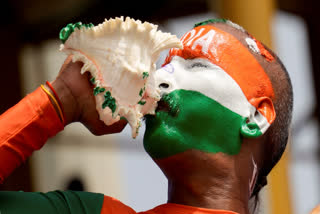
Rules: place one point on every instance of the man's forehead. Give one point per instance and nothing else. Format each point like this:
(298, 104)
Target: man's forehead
(226, 51)
(204, 37)
(220, 34)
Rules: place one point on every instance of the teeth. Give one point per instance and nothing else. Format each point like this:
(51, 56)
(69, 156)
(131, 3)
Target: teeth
(120, 55)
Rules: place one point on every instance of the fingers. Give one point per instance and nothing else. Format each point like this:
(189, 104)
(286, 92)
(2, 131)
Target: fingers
(82, 91)
(114, 128)
(119, 126)
(69, 66)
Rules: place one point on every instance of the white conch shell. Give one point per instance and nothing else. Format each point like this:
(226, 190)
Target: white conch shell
(121, 57)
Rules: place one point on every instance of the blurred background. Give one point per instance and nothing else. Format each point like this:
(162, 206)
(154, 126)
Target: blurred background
(117, 165)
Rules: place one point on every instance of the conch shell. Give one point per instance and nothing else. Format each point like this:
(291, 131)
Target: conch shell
(120, 55)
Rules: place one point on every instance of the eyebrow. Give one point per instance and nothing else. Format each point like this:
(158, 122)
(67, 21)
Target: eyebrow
(199, 64)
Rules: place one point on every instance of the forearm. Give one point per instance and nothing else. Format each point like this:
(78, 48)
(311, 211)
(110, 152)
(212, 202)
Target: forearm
(25, 128)
(63, 202)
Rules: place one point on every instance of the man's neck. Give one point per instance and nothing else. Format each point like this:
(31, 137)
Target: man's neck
(214, 181)
(217, 195)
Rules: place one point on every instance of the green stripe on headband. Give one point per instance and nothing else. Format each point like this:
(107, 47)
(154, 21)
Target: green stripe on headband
(210, 21)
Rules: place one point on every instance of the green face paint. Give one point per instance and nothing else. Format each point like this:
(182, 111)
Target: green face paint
(194, 121)
(250, 130)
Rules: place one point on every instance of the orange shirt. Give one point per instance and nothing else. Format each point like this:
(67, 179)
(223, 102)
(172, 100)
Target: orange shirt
(113, 206)
(25, 128)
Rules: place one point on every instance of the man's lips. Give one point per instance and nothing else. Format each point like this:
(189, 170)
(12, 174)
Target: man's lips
(163, 106)
(168, 104)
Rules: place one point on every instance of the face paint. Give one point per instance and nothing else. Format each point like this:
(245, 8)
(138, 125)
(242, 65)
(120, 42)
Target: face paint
(200, 123)
(201, 113)
(225, 51)
(235, 25)
(209, 79)
(213, 21)
(169, 68)
(252, 45)
(211, 83)
(264, 52)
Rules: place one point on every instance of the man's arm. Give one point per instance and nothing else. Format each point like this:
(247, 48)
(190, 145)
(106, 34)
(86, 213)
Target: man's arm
(27, 126)
(60, 202)
(56, 202)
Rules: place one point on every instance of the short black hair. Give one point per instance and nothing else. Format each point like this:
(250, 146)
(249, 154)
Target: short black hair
(278, 134)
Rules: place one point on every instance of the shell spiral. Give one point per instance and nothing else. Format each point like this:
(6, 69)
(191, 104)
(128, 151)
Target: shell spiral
(120, 55)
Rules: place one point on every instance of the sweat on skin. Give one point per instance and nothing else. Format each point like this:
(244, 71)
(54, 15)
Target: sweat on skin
(216, 86)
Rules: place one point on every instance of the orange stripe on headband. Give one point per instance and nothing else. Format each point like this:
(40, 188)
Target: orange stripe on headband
(224, 50)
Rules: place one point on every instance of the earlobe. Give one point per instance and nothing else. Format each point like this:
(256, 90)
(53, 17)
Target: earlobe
(265, 106)
(260, 119)
(250, 129)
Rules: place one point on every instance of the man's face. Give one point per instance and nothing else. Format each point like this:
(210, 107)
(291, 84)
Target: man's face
(206, 90)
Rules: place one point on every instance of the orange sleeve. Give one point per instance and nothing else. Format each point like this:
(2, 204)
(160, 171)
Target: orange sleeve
(114, 206)
(24, 128)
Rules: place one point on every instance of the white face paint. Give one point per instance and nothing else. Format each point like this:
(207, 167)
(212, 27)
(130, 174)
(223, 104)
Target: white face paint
(205, 41)
(192, 36)
(202, 76)
(252, 45)
(211, 80)
(236, 26)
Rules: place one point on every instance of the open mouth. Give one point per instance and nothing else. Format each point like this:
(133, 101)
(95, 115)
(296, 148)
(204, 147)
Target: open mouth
(168, 104)
(163, 106)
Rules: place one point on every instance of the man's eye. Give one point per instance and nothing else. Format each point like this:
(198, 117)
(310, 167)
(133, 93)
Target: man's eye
(198, 64)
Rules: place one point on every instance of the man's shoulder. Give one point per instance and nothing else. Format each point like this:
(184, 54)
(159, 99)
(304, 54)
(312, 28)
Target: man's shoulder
(114, 206)
(51, 202)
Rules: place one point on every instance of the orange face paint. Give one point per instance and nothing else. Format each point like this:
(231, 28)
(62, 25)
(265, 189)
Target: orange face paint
(264, 52)
(224, 50)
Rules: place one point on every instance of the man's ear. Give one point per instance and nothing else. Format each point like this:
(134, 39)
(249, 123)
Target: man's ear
(260, 119)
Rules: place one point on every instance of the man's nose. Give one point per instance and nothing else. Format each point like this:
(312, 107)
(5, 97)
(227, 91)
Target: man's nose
(165, 79)
(164, 85)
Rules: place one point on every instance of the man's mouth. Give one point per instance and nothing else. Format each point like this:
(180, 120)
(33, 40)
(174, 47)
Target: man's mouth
(163, 106)
(168, 104)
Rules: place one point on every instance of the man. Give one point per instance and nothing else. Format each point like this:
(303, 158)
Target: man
(220, 127)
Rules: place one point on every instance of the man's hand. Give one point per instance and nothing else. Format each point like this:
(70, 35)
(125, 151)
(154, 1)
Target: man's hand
(76, 95)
